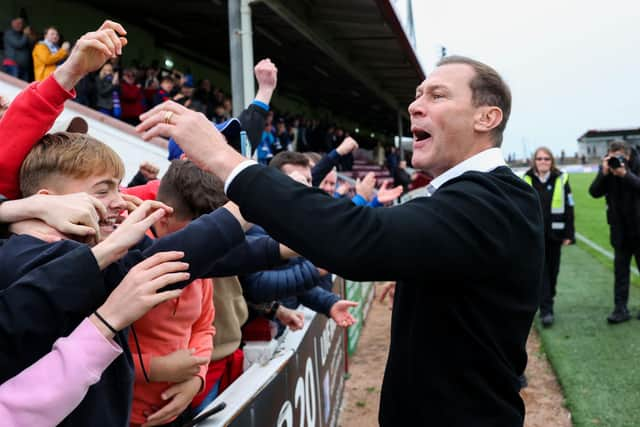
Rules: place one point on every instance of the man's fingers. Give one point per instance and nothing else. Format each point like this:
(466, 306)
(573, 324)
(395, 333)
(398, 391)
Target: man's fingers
(158, 258)
(174, 107)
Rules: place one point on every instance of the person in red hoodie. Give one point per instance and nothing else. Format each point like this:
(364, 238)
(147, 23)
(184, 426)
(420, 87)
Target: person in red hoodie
(131, 97)
(175, 339)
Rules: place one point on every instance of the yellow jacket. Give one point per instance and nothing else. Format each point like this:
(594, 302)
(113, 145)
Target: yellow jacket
(45, 62)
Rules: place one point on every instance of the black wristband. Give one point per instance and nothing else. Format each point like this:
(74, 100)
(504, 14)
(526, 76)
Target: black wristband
(111, 328)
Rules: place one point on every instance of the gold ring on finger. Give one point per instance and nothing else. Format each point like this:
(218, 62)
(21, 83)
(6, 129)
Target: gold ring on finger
(167, 117)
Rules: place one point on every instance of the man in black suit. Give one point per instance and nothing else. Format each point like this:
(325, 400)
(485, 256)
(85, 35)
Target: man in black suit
(468, 259)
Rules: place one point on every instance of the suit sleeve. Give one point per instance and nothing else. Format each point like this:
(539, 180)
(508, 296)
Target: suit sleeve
(407, 242)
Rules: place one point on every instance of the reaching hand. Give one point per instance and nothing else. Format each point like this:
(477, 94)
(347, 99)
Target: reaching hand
(201, 141)
(366, 186)
(343, 188)
(347, 146)
(294, 320)
(177, 366)
(90, 52)
(179, 396)
(340, 313)
(138, 293)
(386, 195)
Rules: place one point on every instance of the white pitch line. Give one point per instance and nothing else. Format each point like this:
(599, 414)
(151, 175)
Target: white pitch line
(601, 250)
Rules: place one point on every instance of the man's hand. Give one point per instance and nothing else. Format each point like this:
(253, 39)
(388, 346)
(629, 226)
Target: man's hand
(292, 319)
(149, 170)
(130, 232)
(267, 77)
(347, 146)
(90, 52)
(340, 313)
(200, 140)
(366, 186)
(179, 397)
(567, 242)
(386, 195)
(177, 366)
(138, 293)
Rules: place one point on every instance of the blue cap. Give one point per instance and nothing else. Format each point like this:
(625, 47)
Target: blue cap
(230, 129)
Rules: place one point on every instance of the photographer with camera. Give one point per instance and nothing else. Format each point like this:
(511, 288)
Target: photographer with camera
(619, 181)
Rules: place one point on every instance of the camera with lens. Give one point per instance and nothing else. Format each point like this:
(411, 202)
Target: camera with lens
(616, 162)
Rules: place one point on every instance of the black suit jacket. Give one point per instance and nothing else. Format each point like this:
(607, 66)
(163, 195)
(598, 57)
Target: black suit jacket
(468, 262)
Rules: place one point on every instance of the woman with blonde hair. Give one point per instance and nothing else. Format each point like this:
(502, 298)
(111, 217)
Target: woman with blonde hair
(554, 191)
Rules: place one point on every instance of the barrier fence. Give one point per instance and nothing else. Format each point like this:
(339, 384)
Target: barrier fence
(303, 383)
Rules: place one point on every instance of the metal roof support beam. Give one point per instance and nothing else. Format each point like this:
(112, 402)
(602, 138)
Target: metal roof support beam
(321, 40)
(241, 54)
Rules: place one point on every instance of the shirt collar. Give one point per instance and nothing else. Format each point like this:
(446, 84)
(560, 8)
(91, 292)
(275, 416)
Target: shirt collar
(484, 161)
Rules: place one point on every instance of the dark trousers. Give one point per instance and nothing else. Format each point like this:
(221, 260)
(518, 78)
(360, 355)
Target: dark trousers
(621, 264)
(552, 252)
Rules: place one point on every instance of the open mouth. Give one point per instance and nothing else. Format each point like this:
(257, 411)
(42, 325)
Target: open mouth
(108, 224)
(420, 135)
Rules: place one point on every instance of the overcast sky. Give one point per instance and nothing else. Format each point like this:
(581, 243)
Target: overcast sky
(572, 65)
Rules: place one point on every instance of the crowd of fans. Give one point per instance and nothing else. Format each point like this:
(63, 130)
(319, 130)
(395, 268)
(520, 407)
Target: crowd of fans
(143, 292)
(125, 92)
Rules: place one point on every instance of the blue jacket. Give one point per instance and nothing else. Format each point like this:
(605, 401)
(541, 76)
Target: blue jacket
(297, 282)
(68, 287)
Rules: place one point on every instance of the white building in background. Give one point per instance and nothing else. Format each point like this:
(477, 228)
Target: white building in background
(594, 143)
